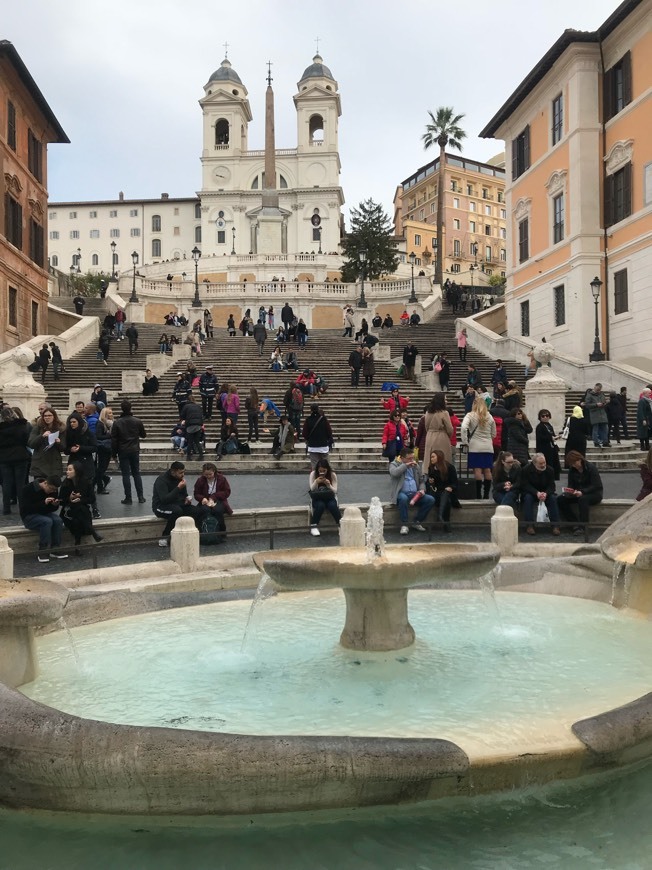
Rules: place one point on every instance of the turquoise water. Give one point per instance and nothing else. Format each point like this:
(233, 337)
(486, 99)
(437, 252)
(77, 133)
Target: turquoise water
(597, 825)
(480, 676)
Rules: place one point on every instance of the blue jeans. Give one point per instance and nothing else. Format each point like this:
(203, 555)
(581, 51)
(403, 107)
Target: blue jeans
(319, 505)
(507, 498)
(49, 528)
(531, 503)
(119, 327)
(130, 464)
(424, 506)
(600, 433)
(302, 338)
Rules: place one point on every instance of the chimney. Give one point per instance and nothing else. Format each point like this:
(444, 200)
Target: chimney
(165, 196)
(121, 196)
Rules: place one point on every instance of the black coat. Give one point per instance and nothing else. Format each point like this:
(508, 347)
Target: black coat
(13, 441)
(515, 438)
(545, 444)
(576, 436)
(587, 481)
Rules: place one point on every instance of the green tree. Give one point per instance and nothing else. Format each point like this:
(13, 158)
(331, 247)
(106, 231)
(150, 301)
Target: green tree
(444, 131)
(497, 282)
(88, 284)
(371, 231)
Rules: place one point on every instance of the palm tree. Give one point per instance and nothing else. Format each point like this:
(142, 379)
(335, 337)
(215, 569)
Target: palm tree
(445, 132)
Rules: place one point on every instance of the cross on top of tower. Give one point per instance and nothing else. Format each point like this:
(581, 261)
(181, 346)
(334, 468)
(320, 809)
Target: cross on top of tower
(317, 43)
(269, 73)
(226, 49)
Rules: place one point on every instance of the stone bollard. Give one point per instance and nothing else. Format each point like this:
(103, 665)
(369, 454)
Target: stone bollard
(504, 530)
(184, 544)
(352, 528)
(6, 560)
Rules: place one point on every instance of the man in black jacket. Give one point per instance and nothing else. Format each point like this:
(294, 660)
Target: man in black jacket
(38, 505)
(126, 434)
(208, 390)
(132, 337)
(409, 360)
(181, 391)
(538, 485)
(355, 364)
(170, 500)
(287, 316)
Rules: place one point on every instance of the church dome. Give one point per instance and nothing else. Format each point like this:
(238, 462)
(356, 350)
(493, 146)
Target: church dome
(225, 73)
(317, 69)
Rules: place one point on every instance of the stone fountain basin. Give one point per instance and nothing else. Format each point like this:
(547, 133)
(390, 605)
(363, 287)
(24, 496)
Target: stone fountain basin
(31, 602)
(399, 568)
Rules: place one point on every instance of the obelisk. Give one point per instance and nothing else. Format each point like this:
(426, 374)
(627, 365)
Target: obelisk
(270, 218)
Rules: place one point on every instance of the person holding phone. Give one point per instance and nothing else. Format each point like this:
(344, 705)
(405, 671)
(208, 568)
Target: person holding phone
(323, 495)
(409, 489)
(39, 504)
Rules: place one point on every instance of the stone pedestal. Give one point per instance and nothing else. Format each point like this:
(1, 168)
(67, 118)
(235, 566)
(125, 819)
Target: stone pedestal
(546, 390)
(21, 390)
(504, 530)
(6, 560)
(376, 620)
(184, 545)
(352, 528)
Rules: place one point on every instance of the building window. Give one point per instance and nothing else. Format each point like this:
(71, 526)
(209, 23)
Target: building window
(74, 234)
(54, 260)
(501, 196)
(559, 299)
(456, 202)
(472, 226)
(618, 195)
(487, 210)
(435, 244)
(156, 247)
(34, 318)
(76, 260)
(52, 216)
(617, 87)
(525, 318)
(115, 234)
(471, 206)
(620, 292)
(11, 125)
(34, 156)
(113, 212)
(523, 241)
(457, 248)
(133, 212)
(485, 193)
(433, 207)
(95, 260)
(557, 118)
(134, 232)
(13, 307)
(473, 249)
(94, 234)
(73, 215)
(176, 231)
(558, 218)
(503, 214)
(417, 240)
(456, 224)
(487, 230)
(422, 214)
(221, 237)
(469, 190)
(503, 233)
(487, 253)
(13, 222)
(488, 272)
(54, 235)
(456, 268)
(92, 214)
(521, 153)
(503, 255)
(198, 235)
(156, 223)
(36, 243)
(176, 211)
(197, 211)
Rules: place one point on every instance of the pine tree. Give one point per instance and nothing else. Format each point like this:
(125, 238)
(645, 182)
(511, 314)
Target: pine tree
(371, 231)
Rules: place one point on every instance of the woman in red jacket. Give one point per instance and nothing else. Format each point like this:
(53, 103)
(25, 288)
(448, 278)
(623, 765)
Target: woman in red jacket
(395, 436)
(212, 490)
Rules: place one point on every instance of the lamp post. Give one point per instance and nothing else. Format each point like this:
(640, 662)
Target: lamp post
(597, 355)
(78, 259)
(472, 269)
(319, 236)
(362, 256)
(196, 254)
(233, 245)
(413, 295)
(133, 297)
(113, 247)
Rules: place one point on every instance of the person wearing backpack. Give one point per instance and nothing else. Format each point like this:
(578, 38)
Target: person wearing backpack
(293, 401)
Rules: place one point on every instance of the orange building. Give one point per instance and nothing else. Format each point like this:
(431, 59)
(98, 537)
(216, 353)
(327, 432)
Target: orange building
(475, 217)
(27, 125)
(579, 196)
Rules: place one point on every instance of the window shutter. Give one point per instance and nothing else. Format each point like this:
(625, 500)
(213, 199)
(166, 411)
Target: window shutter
(526, 148)
(607, 95)
(608, 200)
(514, 159)
(626, 66)
(627, 190)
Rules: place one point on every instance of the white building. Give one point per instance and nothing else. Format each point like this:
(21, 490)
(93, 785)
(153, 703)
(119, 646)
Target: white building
(228, 220)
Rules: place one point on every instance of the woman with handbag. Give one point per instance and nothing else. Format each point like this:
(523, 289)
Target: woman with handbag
(76, 497)
(323, 495)
(441, 483)
(478, 431)
(442, 369)
(395, 436)
(546, 442)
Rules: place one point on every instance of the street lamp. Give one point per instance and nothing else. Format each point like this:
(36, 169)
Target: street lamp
(362, 256)
(413, 295)
(79, 259)
(233, 246)
(472, 269)
(113, 247)
(597, 355)
(196, 254)
(133, 297)
(319, 237)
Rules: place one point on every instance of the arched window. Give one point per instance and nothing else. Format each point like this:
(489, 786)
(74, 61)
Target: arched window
(222, 132)
(156, 223)
(198, 235)
(282, 183)
(198, 211)
(316, 128)
(156, 247)
(254, 183)
(95, 260)
(54, 260)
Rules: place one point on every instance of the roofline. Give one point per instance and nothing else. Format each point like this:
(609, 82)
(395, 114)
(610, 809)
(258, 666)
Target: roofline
(158, 201)
(456, 156)
(8, 50)
(538, 72)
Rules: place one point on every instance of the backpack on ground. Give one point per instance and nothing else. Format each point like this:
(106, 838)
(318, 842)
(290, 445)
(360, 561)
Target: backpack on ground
(209, 533)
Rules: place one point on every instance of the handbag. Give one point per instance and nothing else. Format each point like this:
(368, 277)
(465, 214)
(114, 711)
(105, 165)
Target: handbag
(566, 430)
(438, 367)
(542, 513)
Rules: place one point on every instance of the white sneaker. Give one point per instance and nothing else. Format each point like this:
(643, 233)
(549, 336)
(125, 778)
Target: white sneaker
(404, 530)
(58, 555)
(163, 542)
(418, 527)
(314, 531)
(44, 558)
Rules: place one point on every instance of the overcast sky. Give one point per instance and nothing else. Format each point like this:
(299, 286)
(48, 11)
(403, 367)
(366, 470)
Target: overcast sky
(124, 78)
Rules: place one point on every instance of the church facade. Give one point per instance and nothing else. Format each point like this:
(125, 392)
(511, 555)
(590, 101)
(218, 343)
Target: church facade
(255, 207)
